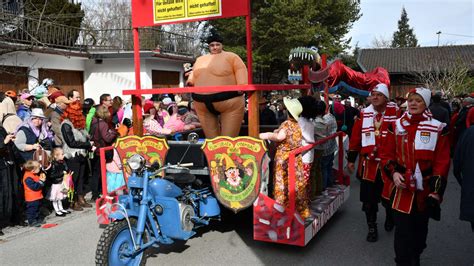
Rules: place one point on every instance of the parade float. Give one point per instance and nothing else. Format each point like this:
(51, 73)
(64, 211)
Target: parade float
(237, 169)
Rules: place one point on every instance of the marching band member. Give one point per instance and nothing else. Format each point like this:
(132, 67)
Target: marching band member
(416, 157)
(368, 135)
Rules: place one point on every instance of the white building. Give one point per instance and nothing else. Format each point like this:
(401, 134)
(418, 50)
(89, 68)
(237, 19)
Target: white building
(92, 62)
(91, 74)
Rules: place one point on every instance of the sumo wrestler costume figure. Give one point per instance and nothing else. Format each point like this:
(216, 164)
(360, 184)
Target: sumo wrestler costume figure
(221, 113)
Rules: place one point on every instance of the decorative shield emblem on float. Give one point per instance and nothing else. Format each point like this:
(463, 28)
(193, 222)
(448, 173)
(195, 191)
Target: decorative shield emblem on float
(152, 148)
(425, 137)
(235, 168)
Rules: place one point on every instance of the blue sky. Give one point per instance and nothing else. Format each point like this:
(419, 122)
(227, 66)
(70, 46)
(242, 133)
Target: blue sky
(380, 17)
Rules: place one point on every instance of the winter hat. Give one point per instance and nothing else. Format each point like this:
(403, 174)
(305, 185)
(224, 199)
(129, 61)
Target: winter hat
(155, 98)
(468, 101)
(293, 106)
(10, 93)
(167, 101)
(424, 93)
(55, 95)
(127, 122)
(182, 110)
(89, 102)
(382, 88)
(147, 107)
(47, 82)
(214, 37)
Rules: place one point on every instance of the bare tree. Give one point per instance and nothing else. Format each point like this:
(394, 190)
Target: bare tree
(25, 26)
(108, 24)
(452, 78)
(381, 42)
(192, 30)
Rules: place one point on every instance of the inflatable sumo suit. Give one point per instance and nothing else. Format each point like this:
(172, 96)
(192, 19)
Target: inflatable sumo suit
(220, 114)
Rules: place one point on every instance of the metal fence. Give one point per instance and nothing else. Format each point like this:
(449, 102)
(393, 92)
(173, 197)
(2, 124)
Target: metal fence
(19, 29)
(15, 7)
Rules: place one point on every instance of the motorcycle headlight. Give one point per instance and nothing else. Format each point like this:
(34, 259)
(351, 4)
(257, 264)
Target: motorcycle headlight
(136, 162)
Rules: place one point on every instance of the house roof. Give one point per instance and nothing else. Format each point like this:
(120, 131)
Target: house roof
(416, 59)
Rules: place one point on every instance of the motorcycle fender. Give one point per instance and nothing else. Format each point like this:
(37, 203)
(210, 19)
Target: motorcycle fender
(209, 207)
(119, 215)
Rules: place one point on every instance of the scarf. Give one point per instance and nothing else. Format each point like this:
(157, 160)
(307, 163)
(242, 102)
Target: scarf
(43, 131)
(407, 119)
(426, 136)
(368, 129)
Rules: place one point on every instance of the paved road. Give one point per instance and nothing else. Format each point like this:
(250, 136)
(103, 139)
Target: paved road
(341, 242)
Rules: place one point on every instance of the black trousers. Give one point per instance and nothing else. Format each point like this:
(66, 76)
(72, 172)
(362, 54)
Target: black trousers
(371, 192)
(77, 165)
(411, 231)
(370, 196)
(96, 178)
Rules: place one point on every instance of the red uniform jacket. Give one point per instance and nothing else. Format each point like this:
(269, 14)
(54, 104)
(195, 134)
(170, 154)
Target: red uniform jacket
(425, 144)
(369, 151)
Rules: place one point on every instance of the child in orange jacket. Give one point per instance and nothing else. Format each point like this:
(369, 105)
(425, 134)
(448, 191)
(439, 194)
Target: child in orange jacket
(33, 182)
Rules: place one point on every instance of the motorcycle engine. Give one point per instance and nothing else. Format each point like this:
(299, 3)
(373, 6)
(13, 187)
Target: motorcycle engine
(186, 212)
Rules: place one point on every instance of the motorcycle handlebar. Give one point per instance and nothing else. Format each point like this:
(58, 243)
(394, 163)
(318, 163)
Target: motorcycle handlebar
(175, 166)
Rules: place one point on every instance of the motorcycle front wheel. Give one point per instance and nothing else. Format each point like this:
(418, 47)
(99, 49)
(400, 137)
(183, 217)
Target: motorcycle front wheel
(116, 242)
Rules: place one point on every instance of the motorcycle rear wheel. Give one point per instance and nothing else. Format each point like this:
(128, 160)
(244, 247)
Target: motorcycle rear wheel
(115, 241)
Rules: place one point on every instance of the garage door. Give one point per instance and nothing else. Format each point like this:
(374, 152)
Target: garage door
(165, 79)
(67, 80)
(13, 78)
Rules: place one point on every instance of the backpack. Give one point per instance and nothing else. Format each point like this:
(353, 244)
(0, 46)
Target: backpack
(5, 116)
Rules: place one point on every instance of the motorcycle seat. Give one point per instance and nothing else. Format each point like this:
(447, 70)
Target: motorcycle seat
(183, 178)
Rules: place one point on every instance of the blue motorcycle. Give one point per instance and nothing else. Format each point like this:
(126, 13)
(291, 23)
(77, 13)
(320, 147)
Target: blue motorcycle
(158, 209)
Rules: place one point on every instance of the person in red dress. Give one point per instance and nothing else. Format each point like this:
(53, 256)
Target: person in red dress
(416, 157)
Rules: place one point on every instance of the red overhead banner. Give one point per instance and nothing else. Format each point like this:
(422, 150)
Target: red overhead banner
(158, 12)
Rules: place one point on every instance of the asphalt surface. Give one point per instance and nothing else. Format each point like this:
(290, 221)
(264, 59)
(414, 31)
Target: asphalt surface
(340, 242)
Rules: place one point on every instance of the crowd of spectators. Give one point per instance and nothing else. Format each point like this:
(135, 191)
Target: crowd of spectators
(31, 187)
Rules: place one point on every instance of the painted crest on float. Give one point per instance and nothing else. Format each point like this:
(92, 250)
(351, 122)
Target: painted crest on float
(152, 148)
(235, 167)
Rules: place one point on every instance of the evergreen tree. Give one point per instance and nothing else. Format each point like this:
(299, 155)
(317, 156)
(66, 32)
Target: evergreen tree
(350, 59)
(54, 12)
(404, 36)
(278, 26)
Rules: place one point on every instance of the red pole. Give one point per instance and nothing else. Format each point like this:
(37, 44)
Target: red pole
(253, 112)
(136, 99)
(103, 170)
(340, 171)
(248, 24)
(326, 89)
